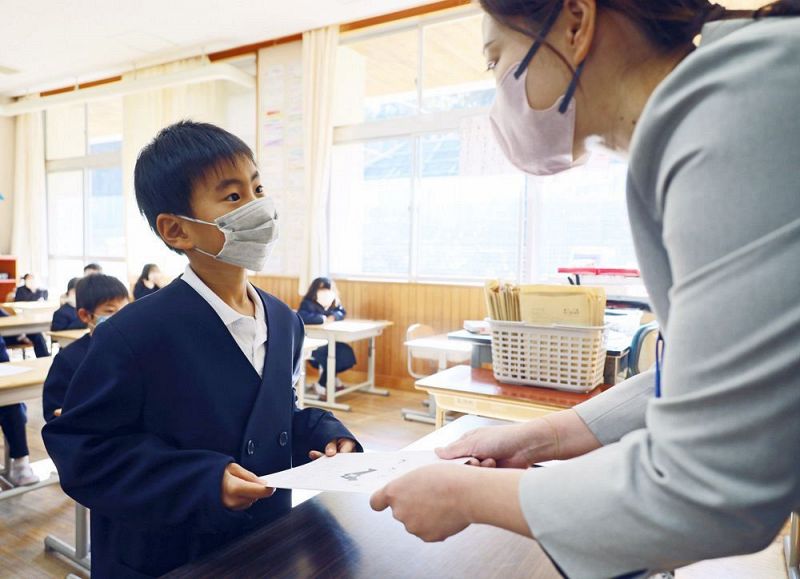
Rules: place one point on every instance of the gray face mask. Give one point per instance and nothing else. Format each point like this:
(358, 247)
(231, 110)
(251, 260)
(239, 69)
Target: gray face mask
(250, 234)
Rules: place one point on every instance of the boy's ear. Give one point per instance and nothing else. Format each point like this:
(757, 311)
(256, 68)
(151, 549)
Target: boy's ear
(85, 315)
(172, 231)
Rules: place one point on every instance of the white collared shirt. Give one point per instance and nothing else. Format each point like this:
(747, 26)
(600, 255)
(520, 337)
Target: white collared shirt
(249, 333)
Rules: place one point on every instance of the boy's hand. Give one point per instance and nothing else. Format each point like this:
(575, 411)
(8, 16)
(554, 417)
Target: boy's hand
(334, 446)
(241, 488)
(57, 412)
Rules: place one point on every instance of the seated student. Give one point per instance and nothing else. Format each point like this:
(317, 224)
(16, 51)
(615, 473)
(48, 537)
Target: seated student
(179, 404)
(12, 423)
(148, 283)
(66, 317)
(321, 304)
(28, 292)
(91, 269)
(98, 297)
(37, 341)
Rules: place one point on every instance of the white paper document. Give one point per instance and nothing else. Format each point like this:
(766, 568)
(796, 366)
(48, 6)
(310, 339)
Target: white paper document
(9, 370)
(354, 472)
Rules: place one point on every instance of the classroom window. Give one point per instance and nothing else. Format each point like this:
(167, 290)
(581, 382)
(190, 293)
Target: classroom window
(85, 205)
(419, 188)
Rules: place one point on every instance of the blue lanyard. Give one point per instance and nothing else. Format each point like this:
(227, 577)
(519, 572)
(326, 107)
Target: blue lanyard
(659, 362)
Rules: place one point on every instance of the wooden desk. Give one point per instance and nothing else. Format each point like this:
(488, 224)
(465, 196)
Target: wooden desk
(347, 331)
(338, 535)
(20, 307)
(28, 322)
(66, 337)
(475, 391)
(13, 390)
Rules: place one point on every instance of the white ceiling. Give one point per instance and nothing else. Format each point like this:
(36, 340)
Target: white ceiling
(53, 44)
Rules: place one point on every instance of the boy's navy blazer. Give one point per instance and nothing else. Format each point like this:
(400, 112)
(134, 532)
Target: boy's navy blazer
(163, 402)
(66, 318)
(60, 375)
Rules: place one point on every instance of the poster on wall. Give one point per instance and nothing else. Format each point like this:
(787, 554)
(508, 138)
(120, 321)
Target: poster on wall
(280, 150)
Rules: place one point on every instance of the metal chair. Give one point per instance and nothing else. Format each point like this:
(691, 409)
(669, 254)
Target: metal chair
(643, 349)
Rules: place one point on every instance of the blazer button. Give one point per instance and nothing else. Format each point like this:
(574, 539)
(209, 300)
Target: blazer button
(283, 439)
(251, 447)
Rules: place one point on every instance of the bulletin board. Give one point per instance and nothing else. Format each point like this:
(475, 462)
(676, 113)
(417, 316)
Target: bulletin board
(280, 150)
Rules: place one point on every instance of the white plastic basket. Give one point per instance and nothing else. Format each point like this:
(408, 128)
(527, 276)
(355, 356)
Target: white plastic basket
(563, 357)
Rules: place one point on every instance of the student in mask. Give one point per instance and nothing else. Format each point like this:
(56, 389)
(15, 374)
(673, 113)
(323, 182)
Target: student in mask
(698, 459)
(29, 291)
(149, 281)
(66, 317)
(179, 405)
(97, 297)
(321, 304)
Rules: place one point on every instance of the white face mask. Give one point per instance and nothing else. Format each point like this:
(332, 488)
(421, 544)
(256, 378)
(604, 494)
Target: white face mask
(250, 234)
(71, 300)
(325, 298)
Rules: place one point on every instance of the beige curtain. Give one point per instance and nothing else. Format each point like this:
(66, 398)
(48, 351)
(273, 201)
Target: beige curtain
(29, 226)
(144, 114)
(319, 73)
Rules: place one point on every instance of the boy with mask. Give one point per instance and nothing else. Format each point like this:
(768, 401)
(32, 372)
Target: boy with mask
(186, 397)
(97, 298)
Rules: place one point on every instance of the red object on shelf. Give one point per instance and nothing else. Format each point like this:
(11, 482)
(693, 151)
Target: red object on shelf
(621, 272)
(8, 265)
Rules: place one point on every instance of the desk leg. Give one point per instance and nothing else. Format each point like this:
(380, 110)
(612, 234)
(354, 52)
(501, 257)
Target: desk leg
(791, 547)
(369, 387)
(330, 383)
(439, 417)
(79, 554)
(428, 417)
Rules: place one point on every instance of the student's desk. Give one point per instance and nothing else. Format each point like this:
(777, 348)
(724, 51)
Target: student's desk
(442, 349)
(475, 391)
(66, 337)
(28, 322)
(13, 390)
(20, 307)
(347, 331)
(338, 535)
(309, 345)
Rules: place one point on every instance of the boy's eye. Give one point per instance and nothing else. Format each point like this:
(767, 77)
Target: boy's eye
(260, 190)
(491, 65)
(233, 197)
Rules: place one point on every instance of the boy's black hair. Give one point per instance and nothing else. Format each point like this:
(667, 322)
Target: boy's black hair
(72, 283)
(175, 161)
(97, 289)
(93, 267)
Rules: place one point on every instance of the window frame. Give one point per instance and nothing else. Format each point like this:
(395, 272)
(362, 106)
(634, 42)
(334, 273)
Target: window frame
(414, 128)
(85, 164)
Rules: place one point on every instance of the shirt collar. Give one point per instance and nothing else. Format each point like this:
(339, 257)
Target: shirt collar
(226, 313)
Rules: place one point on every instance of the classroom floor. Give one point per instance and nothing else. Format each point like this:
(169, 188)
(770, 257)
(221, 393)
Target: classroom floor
(376, 421)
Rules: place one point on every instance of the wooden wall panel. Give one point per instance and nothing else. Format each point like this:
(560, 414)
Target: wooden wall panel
(444, 307)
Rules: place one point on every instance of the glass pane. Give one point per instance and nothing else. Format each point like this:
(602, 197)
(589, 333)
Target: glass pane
(469, 224)
(454, 72)
(117, 269)
(65, 213)
(105, 213)
(581, 218)
(61, 271)
(66, 132)
(105, 125)
(370, 208)
(376, 78)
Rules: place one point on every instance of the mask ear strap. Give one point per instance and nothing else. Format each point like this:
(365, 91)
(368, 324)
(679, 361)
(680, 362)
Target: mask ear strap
(537, 44)
(573, 86)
